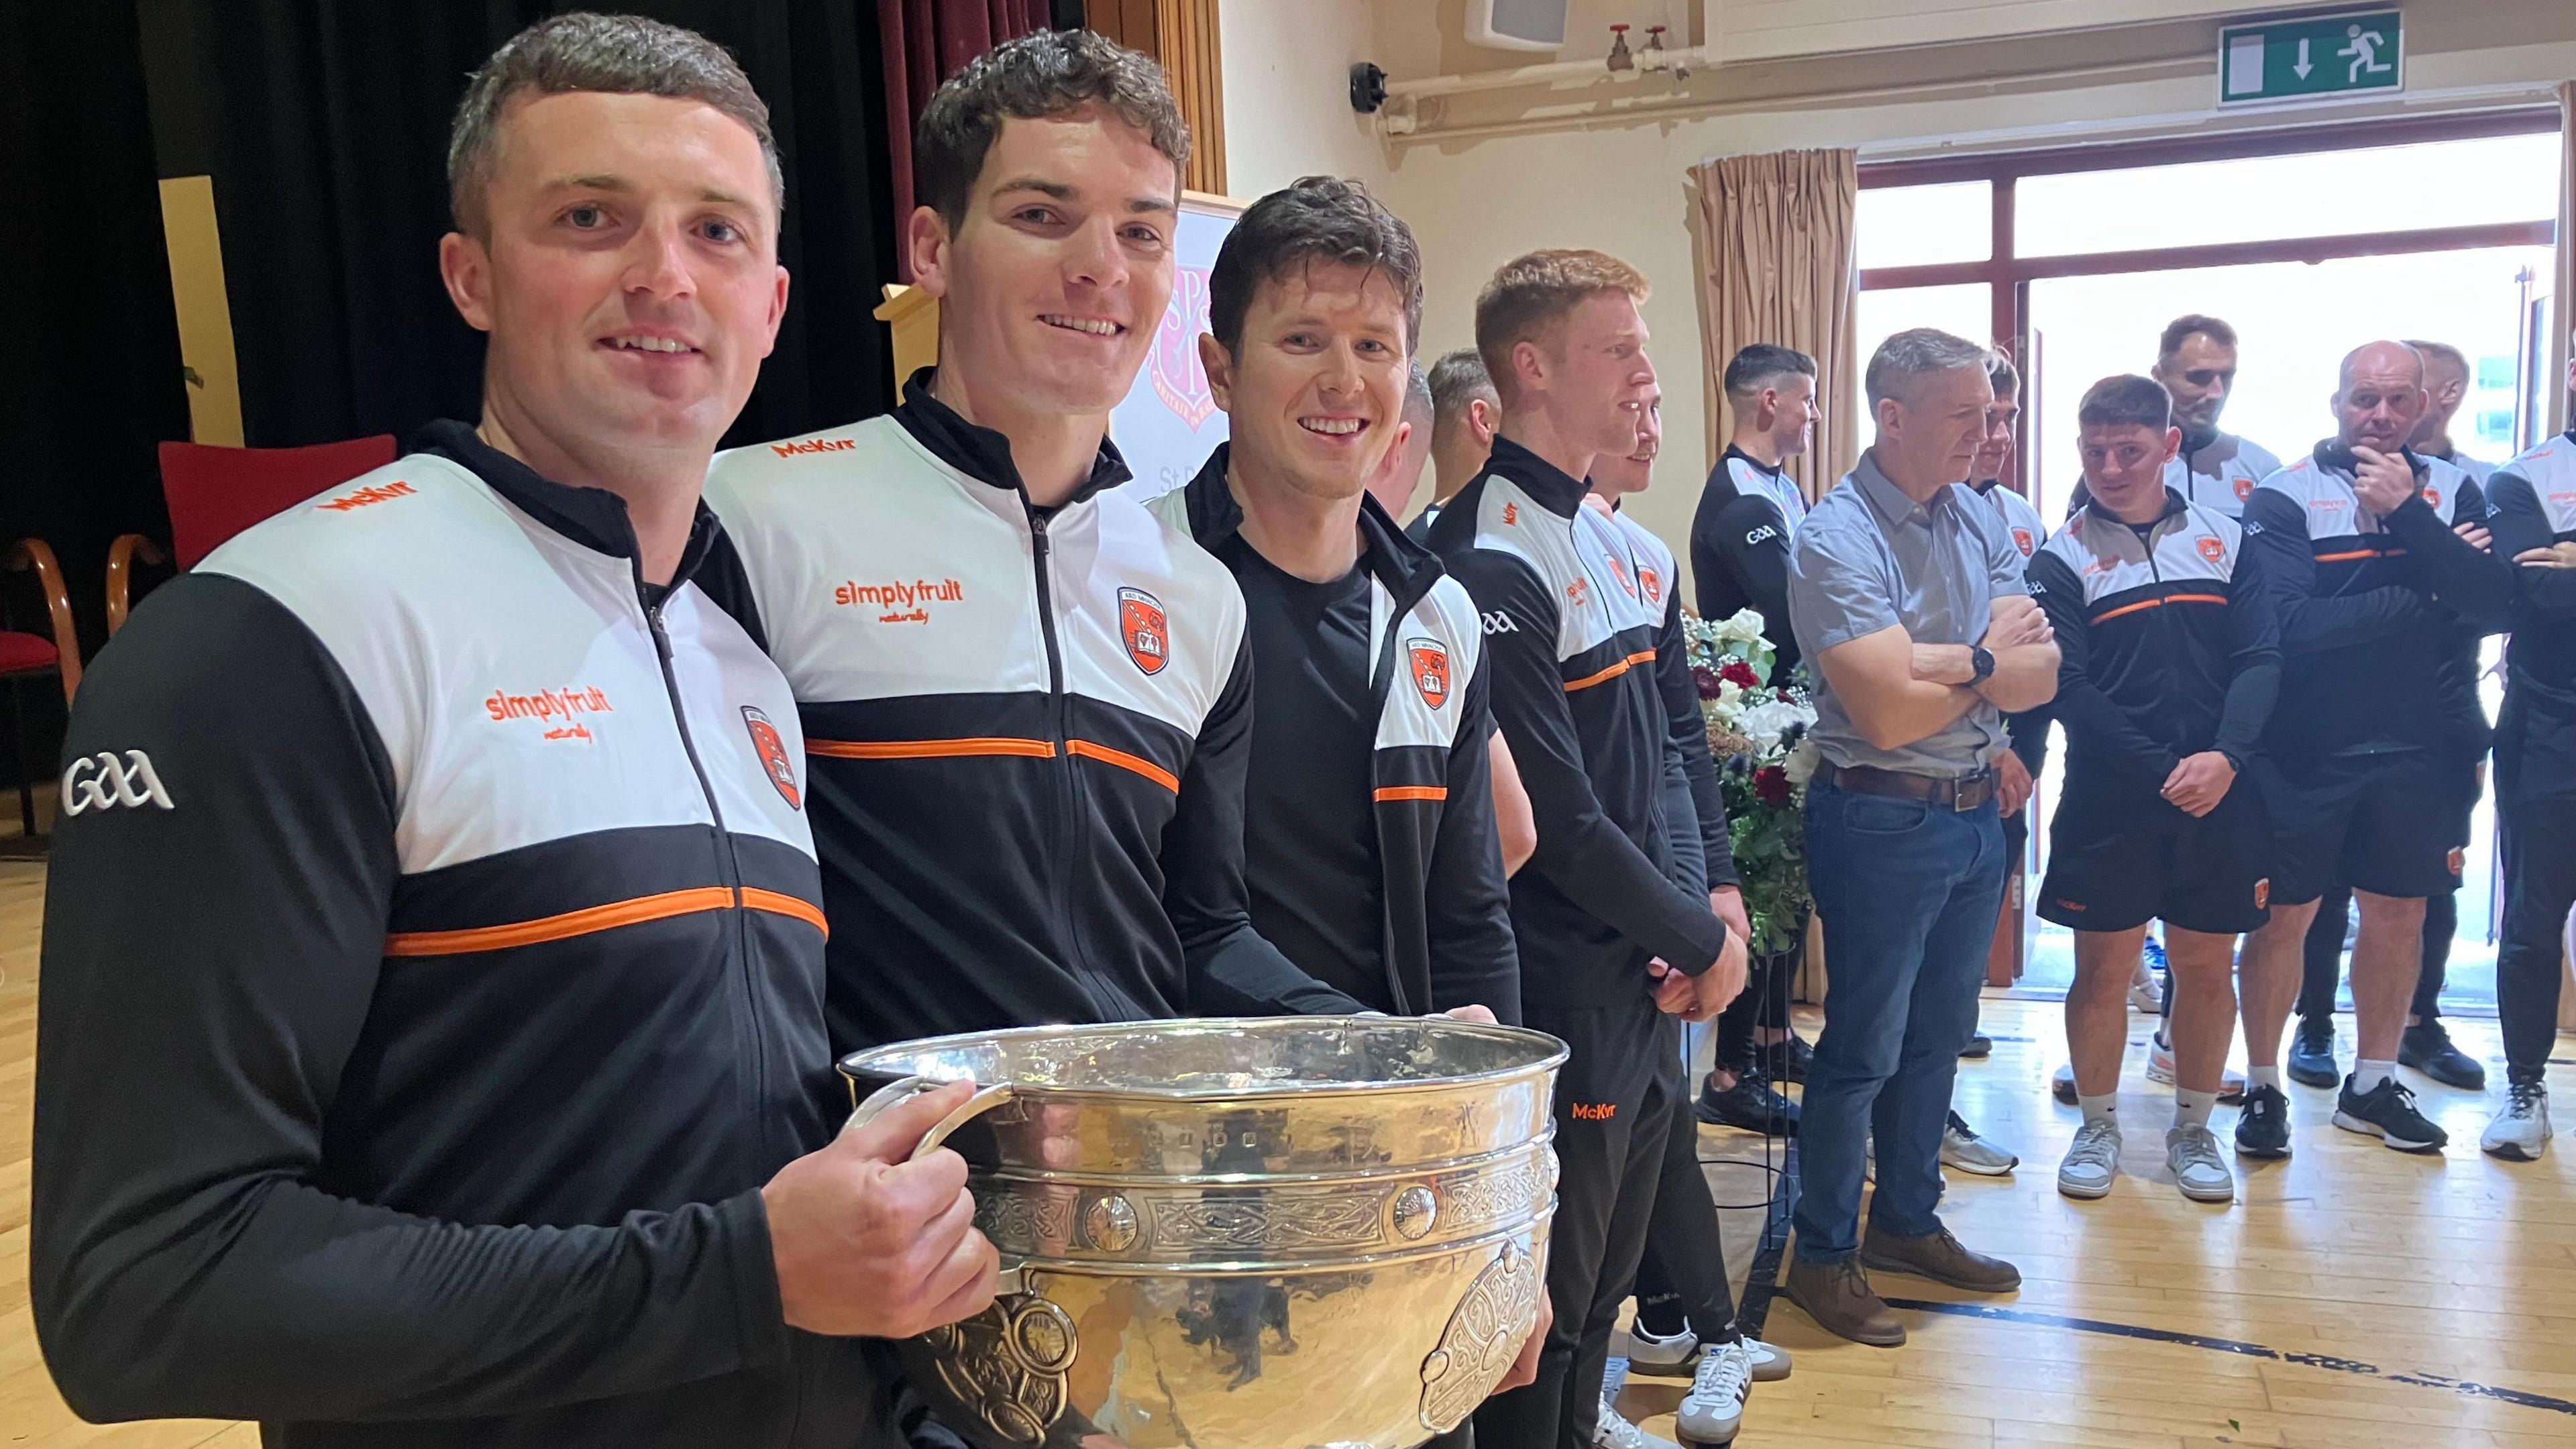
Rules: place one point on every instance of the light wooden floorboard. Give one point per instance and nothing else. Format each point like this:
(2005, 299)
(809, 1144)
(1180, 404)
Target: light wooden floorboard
(2437, 1270)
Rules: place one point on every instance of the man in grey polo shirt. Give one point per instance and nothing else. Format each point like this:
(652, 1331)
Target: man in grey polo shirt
(1906, 593)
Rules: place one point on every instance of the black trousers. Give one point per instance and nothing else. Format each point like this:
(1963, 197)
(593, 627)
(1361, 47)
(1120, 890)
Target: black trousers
(1763, 1002)
(2539, 840)
(2322, 959)
(1615, 1102)
(1681, 1279)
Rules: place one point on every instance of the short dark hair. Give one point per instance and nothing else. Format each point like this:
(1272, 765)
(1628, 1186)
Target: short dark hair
(1531, 294)
(614, 54)
(1312, 219)
(2001, 375)
(1761, 365)
(2127, 400)
(2442, 352)
(1036, 77)
(1458, 379)
(2187, 324)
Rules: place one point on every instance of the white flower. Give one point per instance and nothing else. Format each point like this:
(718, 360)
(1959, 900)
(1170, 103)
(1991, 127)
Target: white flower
(1764, 723)
(1802, 762)
(1744, 627)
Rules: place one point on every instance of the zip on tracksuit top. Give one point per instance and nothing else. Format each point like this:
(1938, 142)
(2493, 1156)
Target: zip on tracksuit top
(2167, 646)
(1588, 730)
(1694, 805)
(1445, 935)
(2369, 608)
(433, 976)
(1028, 729)
(2532, 504)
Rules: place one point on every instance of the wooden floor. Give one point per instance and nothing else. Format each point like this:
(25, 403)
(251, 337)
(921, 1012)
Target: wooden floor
(2352, 1298)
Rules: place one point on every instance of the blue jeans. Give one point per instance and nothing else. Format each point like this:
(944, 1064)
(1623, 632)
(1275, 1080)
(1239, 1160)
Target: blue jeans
(1908, 893)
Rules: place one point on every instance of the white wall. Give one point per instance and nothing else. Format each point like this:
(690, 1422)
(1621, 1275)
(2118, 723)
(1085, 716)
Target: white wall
(1287, 82)
(1478, 200)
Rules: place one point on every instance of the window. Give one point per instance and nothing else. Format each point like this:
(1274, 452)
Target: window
(1911, 226)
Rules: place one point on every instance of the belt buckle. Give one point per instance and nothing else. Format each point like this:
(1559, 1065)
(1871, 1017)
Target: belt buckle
(1959, 787)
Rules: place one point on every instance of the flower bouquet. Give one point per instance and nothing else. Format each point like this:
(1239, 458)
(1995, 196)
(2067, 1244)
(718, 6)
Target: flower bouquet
(1758, 733)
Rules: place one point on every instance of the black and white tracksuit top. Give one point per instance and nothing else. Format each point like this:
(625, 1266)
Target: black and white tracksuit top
(1448, 932)
(1694, 805)
(1739, 544)
(1572, 656)
(2371, 611)
(2167, 647)
(1027, 727)
(2219, 475)
(2531, 503)
(433, 976)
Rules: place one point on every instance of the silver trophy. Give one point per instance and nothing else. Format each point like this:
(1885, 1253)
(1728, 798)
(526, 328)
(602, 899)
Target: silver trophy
(1282, 1233)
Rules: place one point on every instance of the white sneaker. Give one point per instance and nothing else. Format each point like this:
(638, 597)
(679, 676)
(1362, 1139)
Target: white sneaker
(1654, 1355)
(2160, 1070)
(2199, 1168)
(1963, 1149)
(2520, 1131)
(1714, 1408)
(2144, 994)
(2092, 1161)
(1614, 1432)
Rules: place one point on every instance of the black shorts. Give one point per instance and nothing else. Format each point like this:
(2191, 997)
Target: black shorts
(2401, 830)
(2114, 866)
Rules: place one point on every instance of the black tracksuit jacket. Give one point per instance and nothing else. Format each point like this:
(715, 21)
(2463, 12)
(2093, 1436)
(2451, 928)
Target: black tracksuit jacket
(433, 975)
(1574, 688)
(1448, 933)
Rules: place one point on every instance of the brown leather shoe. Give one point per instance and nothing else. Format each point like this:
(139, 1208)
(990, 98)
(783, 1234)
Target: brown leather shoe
(1837, 1296)
(1939, 1257)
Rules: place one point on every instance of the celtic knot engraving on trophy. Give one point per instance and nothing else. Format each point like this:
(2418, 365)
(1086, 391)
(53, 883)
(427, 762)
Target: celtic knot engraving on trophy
(1339, 1220)
(1006, 1365)
(1484, 1333)
(1515, 1191)
(1024, 1222)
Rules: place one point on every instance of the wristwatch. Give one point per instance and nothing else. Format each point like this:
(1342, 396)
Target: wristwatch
(1981, 664)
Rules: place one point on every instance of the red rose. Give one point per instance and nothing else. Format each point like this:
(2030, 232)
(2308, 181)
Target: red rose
(1771, 785)
(1706, 679)
(1740, 674)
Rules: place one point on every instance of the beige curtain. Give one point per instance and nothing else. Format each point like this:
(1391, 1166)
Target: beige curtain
(1775, 250)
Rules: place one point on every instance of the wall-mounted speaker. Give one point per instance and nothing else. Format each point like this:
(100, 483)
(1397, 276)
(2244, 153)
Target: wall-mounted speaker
(1517, 24)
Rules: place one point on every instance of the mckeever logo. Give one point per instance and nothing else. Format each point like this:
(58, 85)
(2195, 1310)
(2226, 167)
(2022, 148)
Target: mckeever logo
(814, 445)
(106, 780)
(372, 493)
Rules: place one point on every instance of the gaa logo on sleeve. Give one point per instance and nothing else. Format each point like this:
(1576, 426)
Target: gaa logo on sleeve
(1429, 663)
(1142, 629)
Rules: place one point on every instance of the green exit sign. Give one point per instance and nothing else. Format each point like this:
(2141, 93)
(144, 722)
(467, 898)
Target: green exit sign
(2281, 60)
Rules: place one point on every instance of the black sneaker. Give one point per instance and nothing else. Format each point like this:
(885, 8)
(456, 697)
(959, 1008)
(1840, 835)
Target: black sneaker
(2263, 1124)
(1787, 1059)
(2427, 1048)
(1750, 1105)
(1980, 1045)
(2387, 1112)
(2312, 1061)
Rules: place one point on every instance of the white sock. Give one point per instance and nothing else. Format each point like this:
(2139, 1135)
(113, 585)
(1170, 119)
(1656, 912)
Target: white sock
(2366, 1076)
(2264, 1077)
(2101, 1108)
(2191, 1109)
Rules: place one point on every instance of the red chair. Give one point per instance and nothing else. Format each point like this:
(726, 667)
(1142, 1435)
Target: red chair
(216, 492)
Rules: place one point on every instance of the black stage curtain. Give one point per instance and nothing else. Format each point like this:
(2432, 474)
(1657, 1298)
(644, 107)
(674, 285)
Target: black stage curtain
(90, 380)
(324, 125)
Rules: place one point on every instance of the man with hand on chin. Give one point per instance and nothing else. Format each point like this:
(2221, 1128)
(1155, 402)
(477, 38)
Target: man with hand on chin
(461, 872)
(2363, 546)
(1606, 937)
(2169, 665)
(1028, 700)
(1906, 590)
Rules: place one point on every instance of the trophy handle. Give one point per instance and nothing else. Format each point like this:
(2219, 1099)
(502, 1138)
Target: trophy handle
(884, 1098)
